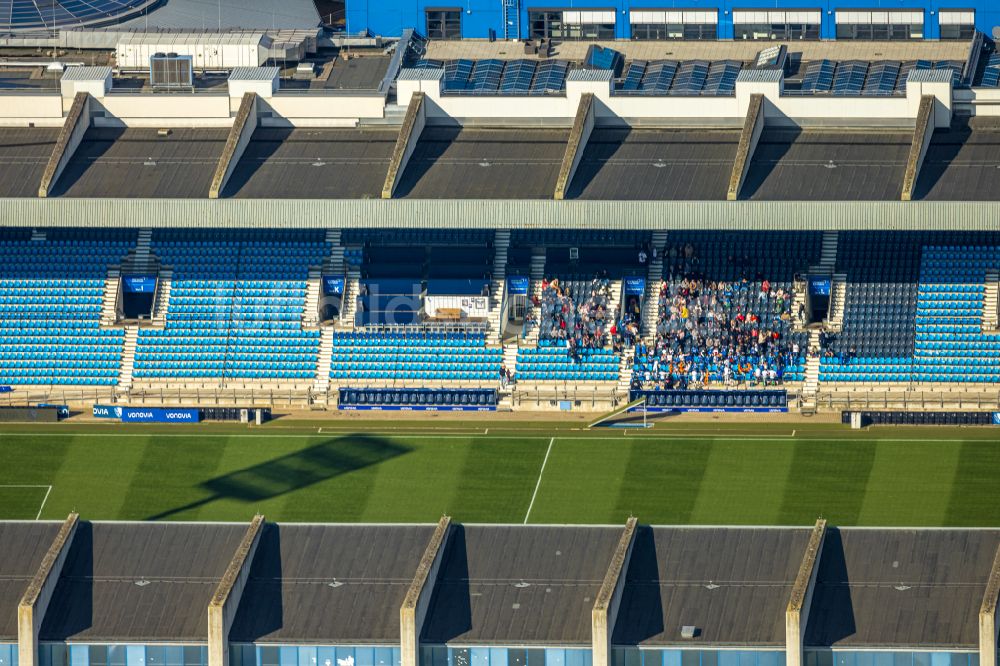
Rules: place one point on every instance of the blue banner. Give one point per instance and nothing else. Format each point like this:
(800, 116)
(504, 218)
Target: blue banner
(107, 412)
(6, 389)
(517, 285)
(333, 285)
(416, 408)
(710, 410)
(159, 415)
(635, 286)
(996, 418)
(63, 410)
(139, 284)
(819, 286)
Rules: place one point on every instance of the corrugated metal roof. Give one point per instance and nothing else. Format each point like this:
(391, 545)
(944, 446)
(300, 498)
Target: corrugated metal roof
(929, 76)
(86, 73)
(759, 76)
(224, 14)
(409, 74)
(254, 74)
(590, 75)
(316, 213)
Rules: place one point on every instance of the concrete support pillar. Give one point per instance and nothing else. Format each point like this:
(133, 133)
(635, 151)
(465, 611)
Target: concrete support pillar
(225, 601)
(239, 137)
(418, 596)
(583, 126)
(988, 628)
(605, 610)
(753, 126)
(35, 601)
(922, 133)
(797, 612)
(409, 134)
(74, 127)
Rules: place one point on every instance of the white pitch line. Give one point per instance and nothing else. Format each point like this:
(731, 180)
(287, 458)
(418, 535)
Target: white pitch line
(39, 485)
(445, 435)
(44, 500)
(539, 482)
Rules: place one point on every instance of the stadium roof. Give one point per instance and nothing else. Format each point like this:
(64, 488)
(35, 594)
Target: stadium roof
(522, 585)
(650, 164)
(505, 585)
(357, 574)
(137, 162)
(827, 165)
(618, 164)
(23, 156)
(890, 588)
(731, 583)
(963, 164)
(139, 581)
(313, 163)
(454, 163)
(23, 546)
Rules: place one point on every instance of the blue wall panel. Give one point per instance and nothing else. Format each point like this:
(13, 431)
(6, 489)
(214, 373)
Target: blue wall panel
(390, 17)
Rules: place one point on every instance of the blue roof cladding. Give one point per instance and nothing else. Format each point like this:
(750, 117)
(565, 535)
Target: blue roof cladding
(32, 15)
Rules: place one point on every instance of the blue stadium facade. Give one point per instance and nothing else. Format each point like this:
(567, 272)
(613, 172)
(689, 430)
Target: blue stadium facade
(828, 19)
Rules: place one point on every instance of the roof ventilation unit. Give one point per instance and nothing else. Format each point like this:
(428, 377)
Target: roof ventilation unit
(690, 631)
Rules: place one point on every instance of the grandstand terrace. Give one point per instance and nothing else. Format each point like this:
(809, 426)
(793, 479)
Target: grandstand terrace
(303, 244)
(523, 319)
(499, 594)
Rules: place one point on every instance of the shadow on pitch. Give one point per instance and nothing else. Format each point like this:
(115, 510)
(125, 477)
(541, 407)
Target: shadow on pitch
(294, 471)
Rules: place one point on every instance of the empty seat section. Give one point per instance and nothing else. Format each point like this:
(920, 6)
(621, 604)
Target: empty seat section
(551, 361)
(914, 310)
(235, 310)
(50, 306)
(416, 359)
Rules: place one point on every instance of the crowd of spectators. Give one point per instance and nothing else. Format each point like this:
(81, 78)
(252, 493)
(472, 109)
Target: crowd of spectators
(576, 312)
(732, 332)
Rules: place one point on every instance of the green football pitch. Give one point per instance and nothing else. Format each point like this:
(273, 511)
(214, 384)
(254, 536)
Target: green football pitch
(415, 471)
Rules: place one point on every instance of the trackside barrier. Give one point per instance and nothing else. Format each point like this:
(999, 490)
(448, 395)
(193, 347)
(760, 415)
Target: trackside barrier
(868, 418)
(713, 401)
(426, 400)
(147, 414)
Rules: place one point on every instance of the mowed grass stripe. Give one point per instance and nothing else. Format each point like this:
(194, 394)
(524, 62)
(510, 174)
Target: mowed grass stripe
(826, 479)
(743, 484)
(393, 478)
(975, 491)
(910, 484)
(663, 478)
